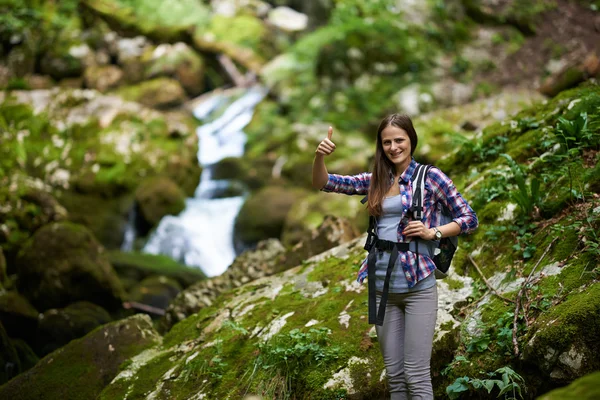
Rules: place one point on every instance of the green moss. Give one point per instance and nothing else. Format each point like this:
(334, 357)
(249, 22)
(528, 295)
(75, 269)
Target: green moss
(585, 388)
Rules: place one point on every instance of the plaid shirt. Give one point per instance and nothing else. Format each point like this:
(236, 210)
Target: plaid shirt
(439, 189)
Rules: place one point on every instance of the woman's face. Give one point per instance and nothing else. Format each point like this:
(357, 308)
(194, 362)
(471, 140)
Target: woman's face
(396, 146)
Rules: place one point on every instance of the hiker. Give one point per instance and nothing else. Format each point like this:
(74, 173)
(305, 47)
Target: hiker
(406, 319)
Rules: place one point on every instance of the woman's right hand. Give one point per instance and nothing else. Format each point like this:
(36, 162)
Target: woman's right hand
(326, 147)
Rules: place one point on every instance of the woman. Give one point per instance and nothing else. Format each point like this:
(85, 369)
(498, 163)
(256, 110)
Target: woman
(406, 334)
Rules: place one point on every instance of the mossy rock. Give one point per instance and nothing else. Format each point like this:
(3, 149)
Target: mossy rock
(563, 341)
(87, 364)
(63, 263)
(19, 317)
(135, 267)
(155, 198)
(57, 327)
(263, 214)
(180, 62)
(155, 291)
(229, 168)
(9, 358)
(585, 388)
(103, 77)
(307, 213)
(160, 93)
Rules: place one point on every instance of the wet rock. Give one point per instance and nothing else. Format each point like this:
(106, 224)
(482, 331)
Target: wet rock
(19, 317)
(63, 263)
(89, 363)
(57, 327)
(156, 198)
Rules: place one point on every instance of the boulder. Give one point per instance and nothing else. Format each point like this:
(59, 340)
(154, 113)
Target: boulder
(87, 364)
(103, 77)
(563, 342)
(263, 214)
(572, 73)
(160, 93)
(155, 291)
(19, 317)
(63, 263)
(155, 198)
(135, 267)
(248, 266)
(180, 62)
(57, 327)
(333, 232)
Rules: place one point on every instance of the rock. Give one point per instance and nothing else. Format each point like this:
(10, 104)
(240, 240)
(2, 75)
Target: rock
(263, 261)
(562, 343)
(9, 358)
(57, 327)
(229, 168)
(573, 73)
(21, 61)
(333, 232)
(308, 213)
(161, 93)
(38, 82)
(155, 291)
(263, 214)
(155, 198)
(135, 267)
(448, 92)
(90, 363)
(60, 62)
(63, 263)
(287, 19)
(103, 77)
(585, 388)
(180, 62)
(19, 317)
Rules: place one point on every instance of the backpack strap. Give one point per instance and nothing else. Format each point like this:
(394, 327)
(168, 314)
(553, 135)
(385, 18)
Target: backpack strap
(418, 186)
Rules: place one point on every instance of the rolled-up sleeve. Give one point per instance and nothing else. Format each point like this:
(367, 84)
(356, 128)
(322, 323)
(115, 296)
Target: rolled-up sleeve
(446, 192)
(348, 184)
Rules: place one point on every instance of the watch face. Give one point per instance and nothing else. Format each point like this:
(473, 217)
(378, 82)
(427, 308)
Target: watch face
(438, 235)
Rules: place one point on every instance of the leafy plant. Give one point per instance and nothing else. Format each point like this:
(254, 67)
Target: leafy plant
(527, 198)
(508, 384)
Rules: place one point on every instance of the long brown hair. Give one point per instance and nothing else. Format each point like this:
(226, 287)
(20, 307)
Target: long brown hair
(382, 166)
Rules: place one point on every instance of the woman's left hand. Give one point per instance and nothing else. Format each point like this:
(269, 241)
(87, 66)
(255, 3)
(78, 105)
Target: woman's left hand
(417, 229)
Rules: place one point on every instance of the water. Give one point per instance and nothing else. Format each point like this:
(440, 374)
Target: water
(202, 235)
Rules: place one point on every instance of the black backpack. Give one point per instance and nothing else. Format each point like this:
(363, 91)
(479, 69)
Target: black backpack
(443, 254)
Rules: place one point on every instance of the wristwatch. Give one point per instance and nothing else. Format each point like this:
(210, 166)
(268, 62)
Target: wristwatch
(438, 234)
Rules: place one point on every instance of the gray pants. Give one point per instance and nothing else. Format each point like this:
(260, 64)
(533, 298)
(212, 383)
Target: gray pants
(405, 340)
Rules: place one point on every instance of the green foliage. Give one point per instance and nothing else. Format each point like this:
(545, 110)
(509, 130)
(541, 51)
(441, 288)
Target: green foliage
(508, 384)
(291, 353)
(526, 197)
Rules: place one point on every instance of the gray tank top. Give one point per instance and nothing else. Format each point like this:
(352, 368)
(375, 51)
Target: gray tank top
(387, 229)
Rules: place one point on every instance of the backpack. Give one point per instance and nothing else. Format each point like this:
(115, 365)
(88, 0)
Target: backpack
(441, 253)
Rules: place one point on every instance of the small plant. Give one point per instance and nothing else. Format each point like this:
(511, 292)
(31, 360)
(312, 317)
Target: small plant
(508, 385)
(527, 198)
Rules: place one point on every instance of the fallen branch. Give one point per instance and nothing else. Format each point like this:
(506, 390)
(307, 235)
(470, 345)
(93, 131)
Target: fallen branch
(143, 307)
(487, 283)
(520, 295)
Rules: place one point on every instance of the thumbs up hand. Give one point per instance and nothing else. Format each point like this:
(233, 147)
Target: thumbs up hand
(326, 147)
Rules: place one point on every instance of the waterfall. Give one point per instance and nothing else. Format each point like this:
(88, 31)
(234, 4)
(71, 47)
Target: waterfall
(202, 234)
